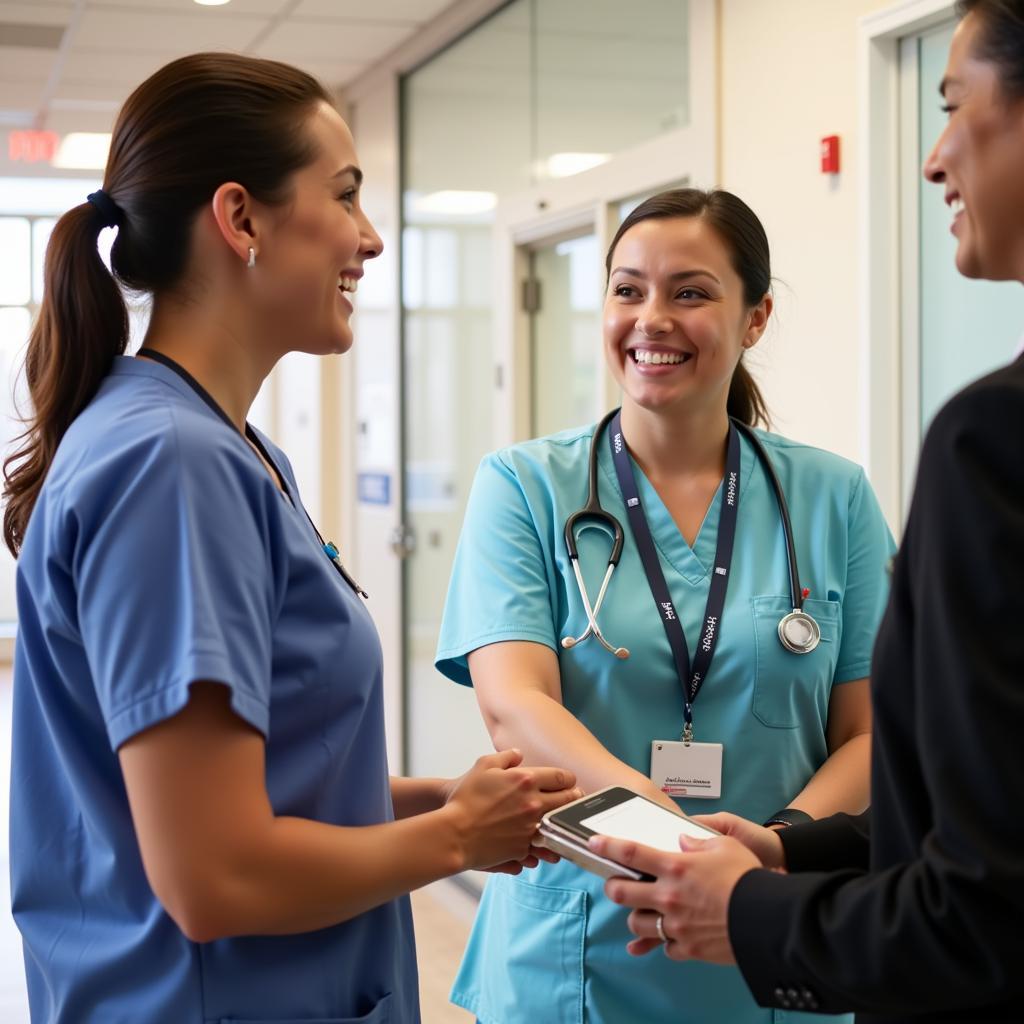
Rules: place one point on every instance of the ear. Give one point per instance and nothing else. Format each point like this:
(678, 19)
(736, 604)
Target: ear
(757, 321)
(234, 212)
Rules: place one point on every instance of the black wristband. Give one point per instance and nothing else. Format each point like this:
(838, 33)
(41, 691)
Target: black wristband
(788, 816)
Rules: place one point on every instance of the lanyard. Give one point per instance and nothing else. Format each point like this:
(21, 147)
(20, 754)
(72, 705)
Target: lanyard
(329, 549)
(691, 679)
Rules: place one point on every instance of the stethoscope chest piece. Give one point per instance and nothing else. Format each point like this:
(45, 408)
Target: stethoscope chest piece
(798, 632)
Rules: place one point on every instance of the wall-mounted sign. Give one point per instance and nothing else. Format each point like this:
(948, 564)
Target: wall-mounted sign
(28, 146)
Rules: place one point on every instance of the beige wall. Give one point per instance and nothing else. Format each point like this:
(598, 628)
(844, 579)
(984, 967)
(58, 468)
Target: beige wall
(788, 73)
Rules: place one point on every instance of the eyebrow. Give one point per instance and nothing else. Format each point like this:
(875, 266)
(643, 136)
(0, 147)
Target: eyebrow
(946, 82)
(679, 275)
(350, 169)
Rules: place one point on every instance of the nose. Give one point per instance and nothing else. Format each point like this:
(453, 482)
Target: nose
(932, 169)
(370, 243)
(652, 320)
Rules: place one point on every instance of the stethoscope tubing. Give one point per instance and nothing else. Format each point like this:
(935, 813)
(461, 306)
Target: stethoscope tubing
(593, 511)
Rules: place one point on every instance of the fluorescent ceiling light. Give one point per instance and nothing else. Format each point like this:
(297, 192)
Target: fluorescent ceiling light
(85, 151)
(564, 165)
(455, 202)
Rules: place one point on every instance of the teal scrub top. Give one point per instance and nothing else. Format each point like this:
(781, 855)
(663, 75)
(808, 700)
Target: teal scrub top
(548, 945)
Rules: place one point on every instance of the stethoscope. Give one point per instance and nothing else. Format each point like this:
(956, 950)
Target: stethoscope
(798, 631)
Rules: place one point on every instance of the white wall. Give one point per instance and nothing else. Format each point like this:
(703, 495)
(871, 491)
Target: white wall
(789, 77)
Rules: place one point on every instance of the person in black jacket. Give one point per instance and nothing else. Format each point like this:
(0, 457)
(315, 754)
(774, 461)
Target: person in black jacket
(915, 911)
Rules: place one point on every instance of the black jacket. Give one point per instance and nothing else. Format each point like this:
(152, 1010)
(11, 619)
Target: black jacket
(919, 914)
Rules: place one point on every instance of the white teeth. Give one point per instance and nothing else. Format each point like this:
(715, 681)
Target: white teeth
(956, 205)
(658, 358)
(348, 284)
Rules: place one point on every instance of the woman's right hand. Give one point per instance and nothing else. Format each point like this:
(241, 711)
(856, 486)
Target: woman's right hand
(498, 804)
(763, 842)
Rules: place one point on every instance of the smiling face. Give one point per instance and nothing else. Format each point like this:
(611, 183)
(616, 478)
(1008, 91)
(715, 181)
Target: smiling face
(311, 259)
(675, 320)
(979, 159)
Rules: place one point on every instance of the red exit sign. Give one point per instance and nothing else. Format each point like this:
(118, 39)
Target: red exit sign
(32, 147)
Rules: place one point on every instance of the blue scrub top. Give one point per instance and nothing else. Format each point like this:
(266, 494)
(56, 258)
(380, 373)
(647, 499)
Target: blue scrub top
(161, 553)
(549, 945)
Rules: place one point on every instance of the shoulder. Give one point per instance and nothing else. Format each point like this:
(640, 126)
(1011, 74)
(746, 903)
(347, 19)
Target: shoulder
(556, 455)
(142, 428)
(988, 413)
(803, 464)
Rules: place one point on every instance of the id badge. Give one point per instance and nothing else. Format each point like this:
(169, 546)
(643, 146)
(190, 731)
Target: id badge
(687, 769)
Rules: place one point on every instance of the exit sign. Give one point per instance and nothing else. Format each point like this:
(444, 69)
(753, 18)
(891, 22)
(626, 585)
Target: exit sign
(32, 147)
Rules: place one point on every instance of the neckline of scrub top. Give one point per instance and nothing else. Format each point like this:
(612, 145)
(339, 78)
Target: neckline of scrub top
(693, 564)
(130, 366)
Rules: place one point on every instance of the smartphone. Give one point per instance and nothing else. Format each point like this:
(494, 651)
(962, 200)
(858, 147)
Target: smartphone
(623, 814)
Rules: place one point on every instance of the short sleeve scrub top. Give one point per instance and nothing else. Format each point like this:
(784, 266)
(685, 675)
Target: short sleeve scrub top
(161, 553)
(549, 945)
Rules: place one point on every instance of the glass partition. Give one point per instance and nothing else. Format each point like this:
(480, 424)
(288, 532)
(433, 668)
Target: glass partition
(539, 90)
(967, 327)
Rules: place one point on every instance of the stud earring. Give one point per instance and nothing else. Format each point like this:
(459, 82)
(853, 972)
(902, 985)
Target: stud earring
(252, 258)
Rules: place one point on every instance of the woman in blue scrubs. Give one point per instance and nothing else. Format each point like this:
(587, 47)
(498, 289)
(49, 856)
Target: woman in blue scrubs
(778, 736)
(202, 824)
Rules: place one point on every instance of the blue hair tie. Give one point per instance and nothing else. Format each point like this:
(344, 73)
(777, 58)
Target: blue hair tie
(108, 209)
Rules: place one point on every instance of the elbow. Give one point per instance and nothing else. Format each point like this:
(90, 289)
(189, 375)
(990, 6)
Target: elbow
(499, 727)
(201, 910)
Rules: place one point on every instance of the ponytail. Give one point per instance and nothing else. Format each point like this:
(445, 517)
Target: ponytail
(746, 402)
(82, 325)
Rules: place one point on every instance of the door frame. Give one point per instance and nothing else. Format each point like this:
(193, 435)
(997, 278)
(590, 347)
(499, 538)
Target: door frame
(563, 207)
(885, 268)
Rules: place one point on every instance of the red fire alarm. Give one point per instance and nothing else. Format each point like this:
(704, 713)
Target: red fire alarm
(830, 154)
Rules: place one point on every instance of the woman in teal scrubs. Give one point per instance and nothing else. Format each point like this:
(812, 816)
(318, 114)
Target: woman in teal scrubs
(688, 293)
(202, 824)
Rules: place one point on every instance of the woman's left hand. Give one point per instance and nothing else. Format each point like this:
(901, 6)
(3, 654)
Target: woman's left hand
(690, 894)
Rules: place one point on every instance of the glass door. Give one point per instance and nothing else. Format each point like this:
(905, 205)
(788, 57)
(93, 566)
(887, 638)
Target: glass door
(563, 296)
(954, 329)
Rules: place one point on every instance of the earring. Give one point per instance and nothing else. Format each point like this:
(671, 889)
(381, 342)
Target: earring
(252, 258)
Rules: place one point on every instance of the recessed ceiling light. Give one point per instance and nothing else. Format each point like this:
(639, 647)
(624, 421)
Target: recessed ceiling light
(212, 3)
(83, 150)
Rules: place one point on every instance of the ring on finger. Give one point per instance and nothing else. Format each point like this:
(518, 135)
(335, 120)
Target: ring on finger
(659, 927)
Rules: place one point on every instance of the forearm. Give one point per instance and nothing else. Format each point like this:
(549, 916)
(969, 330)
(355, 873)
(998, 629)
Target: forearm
(842, 783)
(297, 875)
(416, 796)
(547, 733)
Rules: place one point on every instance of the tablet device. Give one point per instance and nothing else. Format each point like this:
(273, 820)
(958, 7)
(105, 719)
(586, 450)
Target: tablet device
(622, 814)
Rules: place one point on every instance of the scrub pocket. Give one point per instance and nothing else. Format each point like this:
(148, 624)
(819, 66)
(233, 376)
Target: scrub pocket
(380, 1014)
(790, 688)
(524, 962)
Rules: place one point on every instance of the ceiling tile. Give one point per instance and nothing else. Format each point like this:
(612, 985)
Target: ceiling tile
(19, 96)
(417, 11)
(158, 31)
(36, 14)
(110, 66)
(25, 63)
(325, 40)
(64, 121)
(259, 7)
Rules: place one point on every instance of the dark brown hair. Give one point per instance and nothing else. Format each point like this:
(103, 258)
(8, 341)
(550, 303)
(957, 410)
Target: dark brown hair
(198, 122)
(1001, 40)
(738, 227)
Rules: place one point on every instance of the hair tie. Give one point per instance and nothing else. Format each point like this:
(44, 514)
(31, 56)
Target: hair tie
(108, 209)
